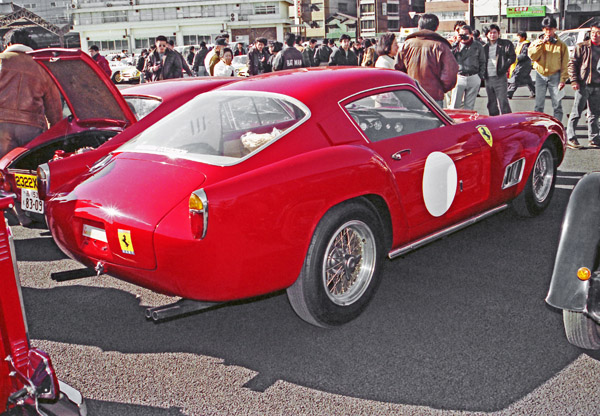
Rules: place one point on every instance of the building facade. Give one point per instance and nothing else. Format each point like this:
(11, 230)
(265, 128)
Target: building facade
(132, 25)
(380, 16)
(316, 14)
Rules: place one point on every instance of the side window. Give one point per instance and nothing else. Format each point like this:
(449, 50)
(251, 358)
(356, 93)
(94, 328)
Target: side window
(392, 114)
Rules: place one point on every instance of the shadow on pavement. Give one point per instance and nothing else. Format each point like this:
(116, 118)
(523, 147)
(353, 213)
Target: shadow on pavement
(459, 324)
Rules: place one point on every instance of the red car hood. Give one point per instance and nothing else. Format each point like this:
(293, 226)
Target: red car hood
(129, 196)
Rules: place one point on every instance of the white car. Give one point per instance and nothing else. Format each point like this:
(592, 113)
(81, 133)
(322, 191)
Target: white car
(123, 71)
(574, 36)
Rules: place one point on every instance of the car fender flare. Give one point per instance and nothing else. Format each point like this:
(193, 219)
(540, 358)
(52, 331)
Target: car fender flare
(578, 246)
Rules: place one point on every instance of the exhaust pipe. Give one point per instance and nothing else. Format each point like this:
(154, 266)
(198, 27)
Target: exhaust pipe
(181, 307)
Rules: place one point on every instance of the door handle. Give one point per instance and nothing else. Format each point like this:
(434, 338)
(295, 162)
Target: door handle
(398, 155)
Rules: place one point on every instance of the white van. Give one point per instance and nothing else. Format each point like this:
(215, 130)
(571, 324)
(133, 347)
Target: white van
(574, 36)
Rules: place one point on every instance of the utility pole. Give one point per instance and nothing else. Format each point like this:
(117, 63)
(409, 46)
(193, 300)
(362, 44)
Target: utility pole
(500, 14)
(471, 15)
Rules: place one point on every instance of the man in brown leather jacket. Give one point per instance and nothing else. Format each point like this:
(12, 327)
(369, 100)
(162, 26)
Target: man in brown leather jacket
(584, 72)
(426, 57)
(29, 99)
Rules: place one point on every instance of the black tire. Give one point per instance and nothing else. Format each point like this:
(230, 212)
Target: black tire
(581, 331)
(117, 78)
(355, 278)
(538, 191)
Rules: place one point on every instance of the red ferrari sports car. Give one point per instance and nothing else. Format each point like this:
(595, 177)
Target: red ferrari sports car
(95, 112)
(301, 180)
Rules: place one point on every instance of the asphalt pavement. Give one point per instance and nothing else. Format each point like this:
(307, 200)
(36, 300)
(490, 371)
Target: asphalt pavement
(457, 327)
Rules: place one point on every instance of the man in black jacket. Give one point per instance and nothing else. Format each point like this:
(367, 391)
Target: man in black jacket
(344, 55)
(323, 53)
(308, 54)
(198, 65)
(521, 74)
(258, 58)
(584, 73)
(163, 63)
(499, 56)
(289, 57)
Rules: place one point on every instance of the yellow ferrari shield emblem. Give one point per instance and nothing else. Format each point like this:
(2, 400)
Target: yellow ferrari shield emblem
(125, 241)
(485, 133)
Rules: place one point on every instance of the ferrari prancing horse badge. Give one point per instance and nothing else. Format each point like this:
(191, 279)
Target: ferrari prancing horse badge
(485, 133)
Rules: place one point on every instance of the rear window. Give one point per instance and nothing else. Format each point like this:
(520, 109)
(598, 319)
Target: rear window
(141, 106)
(222, 127)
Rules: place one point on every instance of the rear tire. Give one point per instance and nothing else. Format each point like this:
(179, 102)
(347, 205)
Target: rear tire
(341, 271)
(539, 188)
(581, 331)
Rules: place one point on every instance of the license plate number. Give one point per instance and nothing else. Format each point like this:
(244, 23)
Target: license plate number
(31, 202)
(25, 181)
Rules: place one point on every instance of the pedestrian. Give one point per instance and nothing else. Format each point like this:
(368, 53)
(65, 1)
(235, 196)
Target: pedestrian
(584, 72)
(223, 68)
(471, 60)
(140, 64)
(499, 55)
(100, 60)
(163, 63)
(298, 44)
(239, 50)
(426, 56)
(190, 56)
(456, 34)
(477, 37)
(387, 49)
(323, 53)
(258, 58)
(308, 54)
(29, 98)
(198, 65)
(274, 50)
(369, 54)
(213, 56)
(520, 74)
(184, 65)
(290, 57)
(343, 56)
(550, 57)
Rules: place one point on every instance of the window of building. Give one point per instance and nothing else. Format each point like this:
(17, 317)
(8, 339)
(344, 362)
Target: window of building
(367, 24)
(367, 8)
(392, 8)
(265, 9)
(343, 7)
(393, 25)
(195, 39)
(114, 16)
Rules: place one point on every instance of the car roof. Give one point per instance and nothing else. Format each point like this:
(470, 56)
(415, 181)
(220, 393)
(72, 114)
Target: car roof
(322, 86)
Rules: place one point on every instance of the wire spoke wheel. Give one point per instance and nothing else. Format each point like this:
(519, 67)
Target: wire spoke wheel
(349, 263)
(543, 175)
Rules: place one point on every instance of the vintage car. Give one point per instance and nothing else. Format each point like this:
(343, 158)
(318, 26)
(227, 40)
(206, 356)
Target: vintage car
(268, 183)
(95, 112)
(575, 284)
(28, 382)
(123, 71)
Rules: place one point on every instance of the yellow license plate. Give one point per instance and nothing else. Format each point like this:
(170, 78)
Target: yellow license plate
(26, 181)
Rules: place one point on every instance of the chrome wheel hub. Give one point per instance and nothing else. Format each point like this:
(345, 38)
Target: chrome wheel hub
(543, 175)
(349, 263)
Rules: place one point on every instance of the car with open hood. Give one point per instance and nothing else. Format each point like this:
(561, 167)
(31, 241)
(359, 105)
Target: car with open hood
(95, 113)
(267, 184)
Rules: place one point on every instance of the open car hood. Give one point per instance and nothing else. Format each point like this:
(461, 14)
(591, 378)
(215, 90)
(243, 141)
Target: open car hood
(89, 93)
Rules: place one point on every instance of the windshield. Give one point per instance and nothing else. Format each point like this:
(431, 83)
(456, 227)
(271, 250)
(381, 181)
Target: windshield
(221, 128)
(240, 59)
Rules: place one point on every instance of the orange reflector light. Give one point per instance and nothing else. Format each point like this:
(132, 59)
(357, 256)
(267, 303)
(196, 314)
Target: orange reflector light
(584, 273)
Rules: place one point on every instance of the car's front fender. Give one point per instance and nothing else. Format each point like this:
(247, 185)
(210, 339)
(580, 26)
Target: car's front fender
(578, 246)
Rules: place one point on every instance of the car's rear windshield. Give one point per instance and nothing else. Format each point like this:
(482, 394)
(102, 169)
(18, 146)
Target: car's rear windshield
(142, 106)
(222, 127)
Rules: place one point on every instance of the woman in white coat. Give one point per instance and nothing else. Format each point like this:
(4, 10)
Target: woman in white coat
(387, 49)
(223, 68)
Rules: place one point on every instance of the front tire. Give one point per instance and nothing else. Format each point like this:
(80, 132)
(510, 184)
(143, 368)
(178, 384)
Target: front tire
(581, 330)
(117, 78)
(341, 271)
(539, 188)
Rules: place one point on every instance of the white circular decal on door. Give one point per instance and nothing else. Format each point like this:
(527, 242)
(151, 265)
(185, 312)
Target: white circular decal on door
(439, 183)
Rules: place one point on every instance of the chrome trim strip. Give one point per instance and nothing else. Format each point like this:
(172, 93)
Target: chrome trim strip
(420, 243)
(506, 183)
(202, 195)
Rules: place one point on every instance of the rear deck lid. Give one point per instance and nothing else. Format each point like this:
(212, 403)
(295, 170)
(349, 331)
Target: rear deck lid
(89, 93)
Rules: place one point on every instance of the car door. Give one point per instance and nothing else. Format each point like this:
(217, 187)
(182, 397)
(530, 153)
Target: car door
(439, 167)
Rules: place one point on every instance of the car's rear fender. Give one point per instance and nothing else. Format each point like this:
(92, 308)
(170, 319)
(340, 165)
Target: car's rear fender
(578, 246)
(266, 217)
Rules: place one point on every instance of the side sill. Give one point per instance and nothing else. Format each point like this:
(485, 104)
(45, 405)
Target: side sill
(426, 240)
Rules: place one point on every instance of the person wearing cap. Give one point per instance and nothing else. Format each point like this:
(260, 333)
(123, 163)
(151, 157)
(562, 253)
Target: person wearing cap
(258, 57)
(290, 57)
(213, 57)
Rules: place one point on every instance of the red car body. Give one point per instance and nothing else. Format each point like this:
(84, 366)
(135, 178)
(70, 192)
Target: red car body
(27, 377)
(96, 112)
(364, 137)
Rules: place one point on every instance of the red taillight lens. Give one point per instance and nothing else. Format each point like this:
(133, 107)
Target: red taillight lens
(4, 184)
(198, 206)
